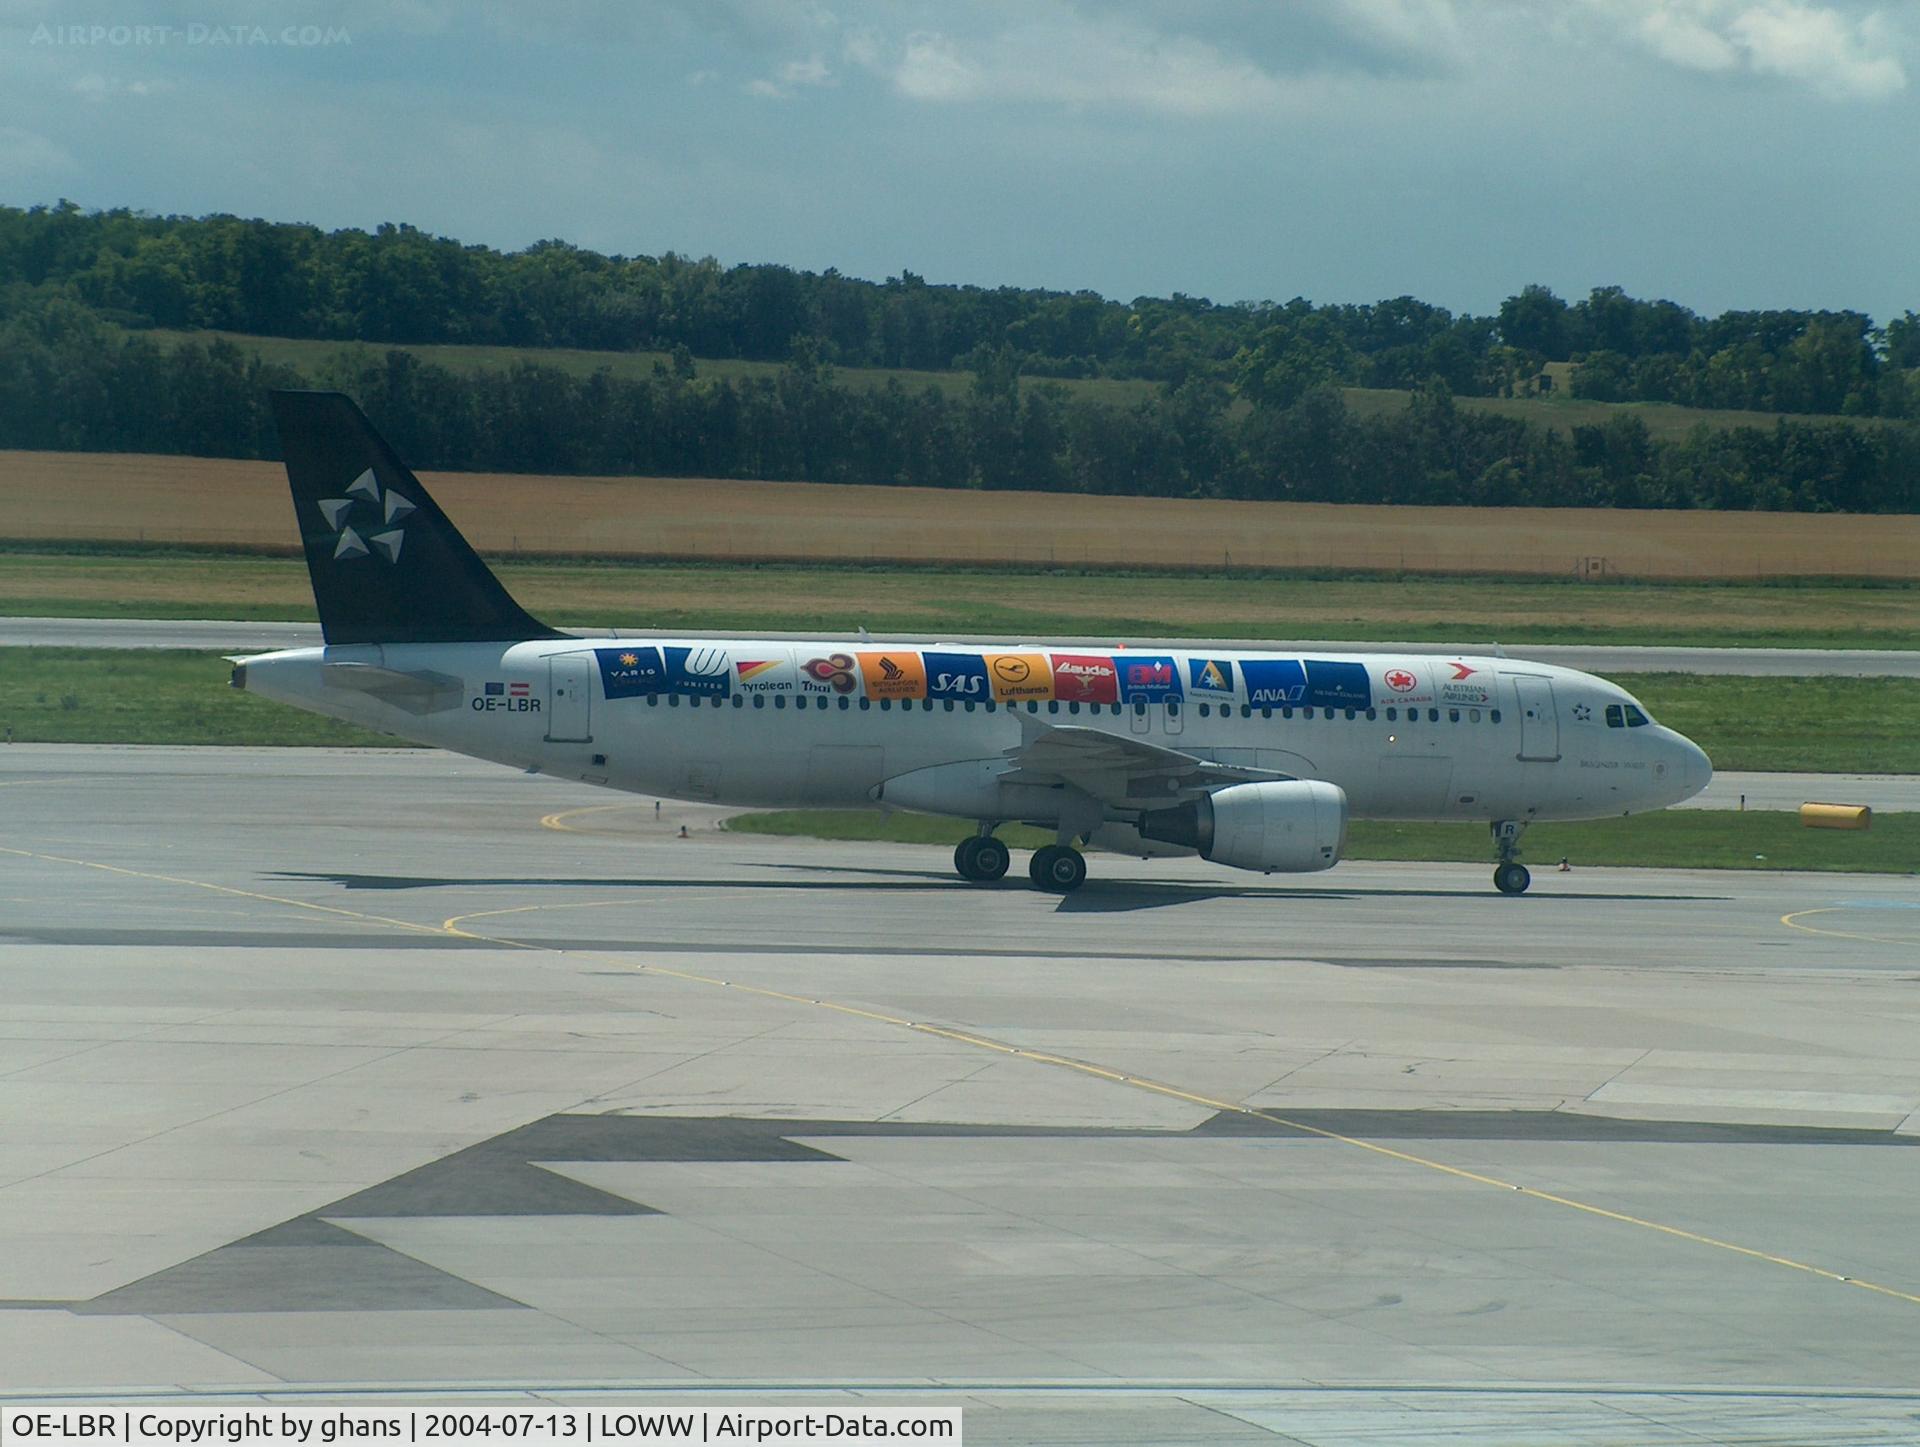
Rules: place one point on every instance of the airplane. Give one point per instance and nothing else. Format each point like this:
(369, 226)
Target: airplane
(1253, 759)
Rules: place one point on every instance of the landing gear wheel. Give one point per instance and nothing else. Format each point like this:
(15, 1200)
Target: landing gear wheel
(1511, 878)
(1058, 869)
(981, 859)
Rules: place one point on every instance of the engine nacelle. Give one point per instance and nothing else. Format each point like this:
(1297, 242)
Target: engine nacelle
(1293, 827)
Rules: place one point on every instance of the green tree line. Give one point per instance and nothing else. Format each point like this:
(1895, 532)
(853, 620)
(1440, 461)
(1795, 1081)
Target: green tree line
(73, 381)
(397, 284)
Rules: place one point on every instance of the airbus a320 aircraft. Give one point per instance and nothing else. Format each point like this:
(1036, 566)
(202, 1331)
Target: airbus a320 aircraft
(1254, 760)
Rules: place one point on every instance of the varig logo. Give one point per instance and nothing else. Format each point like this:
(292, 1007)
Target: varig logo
(366, 503)
(1401, 681)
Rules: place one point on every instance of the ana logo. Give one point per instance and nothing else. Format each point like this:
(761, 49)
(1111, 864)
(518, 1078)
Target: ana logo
(1012, 670)
(1400, 681)
(372, 508)
(1460, 671)
(835, 670)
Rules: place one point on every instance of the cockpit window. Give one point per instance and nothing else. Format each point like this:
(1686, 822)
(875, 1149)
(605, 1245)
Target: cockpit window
(1635, 718)
(1614, 720)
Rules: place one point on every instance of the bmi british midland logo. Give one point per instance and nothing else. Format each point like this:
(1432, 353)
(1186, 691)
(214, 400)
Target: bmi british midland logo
(380, 515)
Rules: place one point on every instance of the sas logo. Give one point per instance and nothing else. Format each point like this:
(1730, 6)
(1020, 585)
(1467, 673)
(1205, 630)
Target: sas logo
(835, 672)
(1400, 681)
(955, 675)
(1085, 678)
(894, 675)
(1019, 675)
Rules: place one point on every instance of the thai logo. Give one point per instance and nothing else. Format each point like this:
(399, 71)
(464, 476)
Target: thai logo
(835, 670)
(1401, 681)
(380, 515)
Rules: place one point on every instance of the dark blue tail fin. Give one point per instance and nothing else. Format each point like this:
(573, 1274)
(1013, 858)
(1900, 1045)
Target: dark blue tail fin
(387, 566)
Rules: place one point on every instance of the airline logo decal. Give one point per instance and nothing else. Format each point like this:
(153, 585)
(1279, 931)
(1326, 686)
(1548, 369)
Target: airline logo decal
(1019, 675)
(1148, 677)
(956, 675)
(629, 672)
(1338, 685)
(832, 674)
(1210, 675)
(700, 671)
(380, 516)
(1466, 684)
(1401, 681)
(894, 675)
(1085, 678)
(763, 675)
(1274, 682)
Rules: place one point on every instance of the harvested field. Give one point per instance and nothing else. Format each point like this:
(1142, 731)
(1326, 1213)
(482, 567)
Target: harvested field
(116, 497)
(940, 601)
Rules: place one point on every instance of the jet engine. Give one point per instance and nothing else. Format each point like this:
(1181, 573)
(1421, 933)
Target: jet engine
(1293, 827)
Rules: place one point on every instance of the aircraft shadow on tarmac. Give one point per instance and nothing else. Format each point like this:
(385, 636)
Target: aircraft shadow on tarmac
(1097, 896)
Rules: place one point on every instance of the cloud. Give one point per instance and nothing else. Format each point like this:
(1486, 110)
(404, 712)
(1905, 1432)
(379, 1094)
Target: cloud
(27, 155)
(1835, 50)
(792, 78)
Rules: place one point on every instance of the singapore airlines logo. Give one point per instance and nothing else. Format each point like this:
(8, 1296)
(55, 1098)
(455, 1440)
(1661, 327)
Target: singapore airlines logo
(381, 516)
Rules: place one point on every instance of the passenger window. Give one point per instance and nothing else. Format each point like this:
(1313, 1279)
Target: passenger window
(1266, 711)
(1173, 708)
(843, 704)
(1635, 718)
(1614, 720)
(653, 700)
(779, 700)
(1473, 715)
(1371, 715)
(865, 704)
(1053, 705)
(1140, 709)
(759, 700)
(969, 705)
(1495, 715)
(673, 700)
(885, 704)
(1206, 710)
(1433, 715)
(992, 706)
(1073, 708)
(1453, 715)
(1286, 711)
(1246, 710)
(1350, 715)
(949, 703)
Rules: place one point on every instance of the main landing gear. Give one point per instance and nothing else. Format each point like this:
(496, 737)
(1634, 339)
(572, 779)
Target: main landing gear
(983, 859)
(1509, 875)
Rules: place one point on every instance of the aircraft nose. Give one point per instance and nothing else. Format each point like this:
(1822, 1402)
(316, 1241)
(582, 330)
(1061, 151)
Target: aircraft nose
(1695, 769)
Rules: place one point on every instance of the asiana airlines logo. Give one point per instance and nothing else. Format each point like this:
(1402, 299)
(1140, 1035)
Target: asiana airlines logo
(381, 515)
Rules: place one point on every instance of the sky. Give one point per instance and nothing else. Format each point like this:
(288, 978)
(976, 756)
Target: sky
(1721, 153)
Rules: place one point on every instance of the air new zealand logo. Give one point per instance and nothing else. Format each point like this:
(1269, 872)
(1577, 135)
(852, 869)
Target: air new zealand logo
(373, 509)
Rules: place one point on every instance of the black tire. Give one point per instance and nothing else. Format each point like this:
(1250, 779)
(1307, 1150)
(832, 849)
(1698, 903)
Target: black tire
(1057, 869)
(990, 860)
(1511, 878)
(966, 858)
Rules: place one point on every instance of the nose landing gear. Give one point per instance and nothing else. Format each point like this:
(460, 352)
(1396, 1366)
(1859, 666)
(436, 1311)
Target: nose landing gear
(1509, 875)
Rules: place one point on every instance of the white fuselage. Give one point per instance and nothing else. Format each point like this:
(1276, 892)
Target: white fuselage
(779, 723)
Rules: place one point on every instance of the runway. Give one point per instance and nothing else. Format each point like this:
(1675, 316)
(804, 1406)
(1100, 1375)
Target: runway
(229, 636)
(394, 1069)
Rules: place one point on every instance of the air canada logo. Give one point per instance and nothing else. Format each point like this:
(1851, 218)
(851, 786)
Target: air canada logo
(367, 520)
(1400, 681)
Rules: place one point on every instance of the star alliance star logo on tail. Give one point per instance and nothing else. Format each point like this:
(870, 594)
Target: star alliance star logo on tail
(386, 511)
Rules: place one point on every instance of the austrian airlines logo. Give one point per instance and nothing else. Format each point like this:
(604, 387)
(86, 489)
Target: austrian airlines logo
(373, 509)
(1460, 671)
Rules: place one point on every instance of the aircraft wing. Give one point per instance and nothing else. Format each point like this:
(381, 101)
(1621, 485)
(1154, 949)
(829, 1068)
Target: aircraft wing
(1119, 770)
